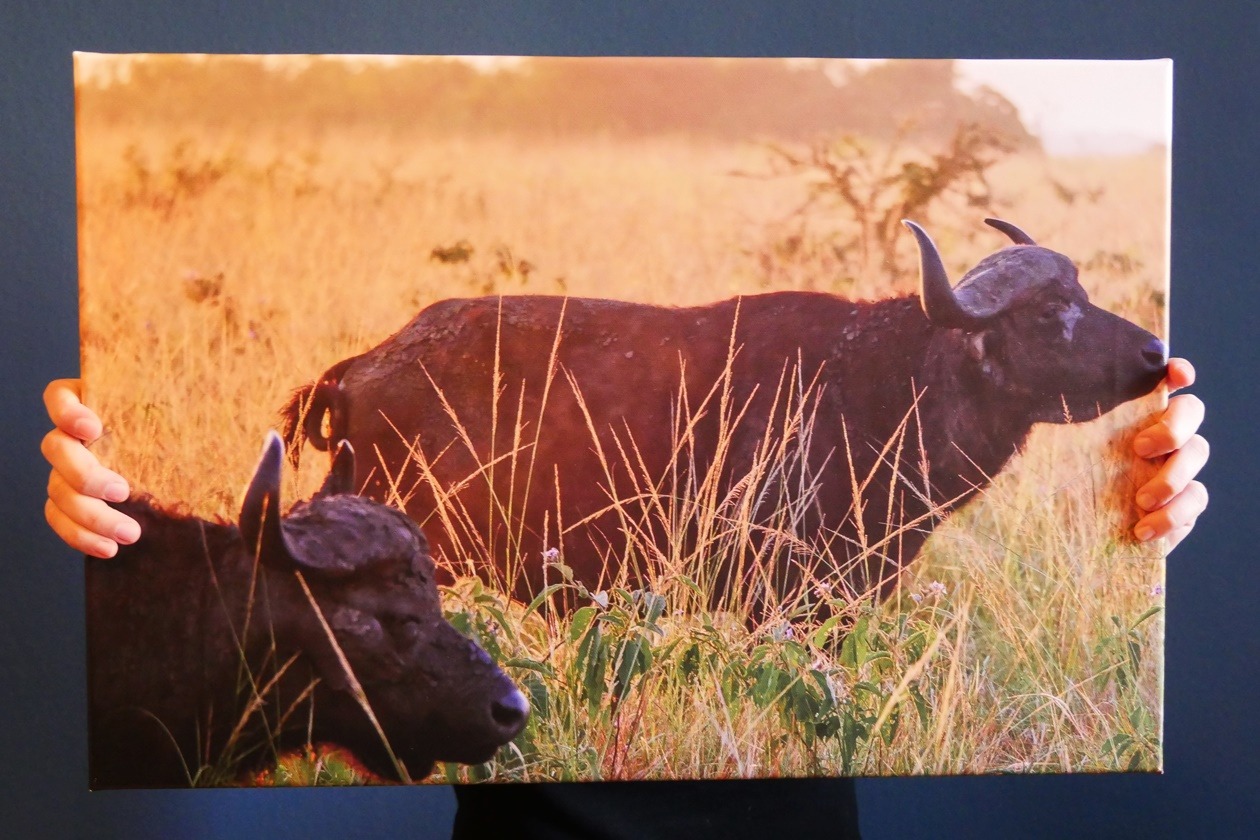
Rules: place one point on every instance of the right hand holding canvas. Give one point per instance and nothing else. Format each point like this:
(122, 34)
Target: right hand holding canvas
(78, 485)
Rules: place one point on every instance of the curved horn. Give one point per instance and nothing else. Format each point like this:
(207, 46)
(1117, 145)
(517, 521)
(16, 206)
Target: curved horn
(1017, 236)
(260, 512)
(935, 292)
(340, 480)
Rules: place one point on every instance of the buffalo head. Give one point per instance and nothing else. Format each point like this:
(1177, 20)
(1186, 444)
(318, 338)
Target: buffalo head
(434, 693)
(1037, 341)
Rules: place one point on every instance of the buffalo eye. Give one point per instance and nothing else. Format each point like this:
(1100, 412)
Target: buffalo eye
(405, 630)
(1051, 312)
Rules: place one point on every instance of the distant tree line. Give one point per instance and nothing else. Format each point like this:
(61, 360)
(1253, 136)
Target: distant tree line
(717, 98)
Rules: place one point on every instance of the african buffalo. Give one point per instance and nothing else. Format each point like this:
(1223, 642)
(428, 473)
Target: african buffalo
(197, 650)
(536, 414)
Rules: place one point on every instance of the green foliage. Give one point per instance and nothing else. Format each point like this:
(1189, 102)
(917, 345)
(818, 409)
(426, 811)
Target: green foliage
(850, 699)
(311, 770)
(835, 687)
(1135, 745)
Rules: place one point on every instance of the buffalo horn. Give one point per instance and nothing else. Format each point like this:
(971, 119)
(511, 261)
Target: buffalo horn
(260, 513)
(935, 292)
(1017, 236)
(340, 480)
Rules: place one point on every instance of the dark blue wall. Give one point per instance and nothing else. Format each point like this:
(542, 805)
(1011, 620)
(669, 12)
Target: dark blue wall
(1211, 788)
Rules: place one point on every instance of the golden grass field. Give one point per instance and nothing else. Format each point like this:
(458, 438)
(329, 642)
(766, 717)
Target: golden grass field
(221, 272)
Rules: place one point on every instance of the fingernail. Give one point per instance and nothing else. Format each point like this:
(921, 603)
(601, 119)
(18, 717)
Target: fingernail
(1144, 445)
(116, 491)
(127, 533)
(1146, 501)
(1144, 532)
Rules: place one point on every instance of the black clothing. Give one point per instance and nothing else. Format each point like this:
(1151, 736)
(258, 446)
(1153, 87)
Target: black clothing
(824, 808)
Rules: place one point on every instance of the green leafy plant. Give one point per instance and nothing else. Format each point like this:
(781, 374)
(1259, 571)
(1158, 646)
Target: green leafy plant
(1136, 743)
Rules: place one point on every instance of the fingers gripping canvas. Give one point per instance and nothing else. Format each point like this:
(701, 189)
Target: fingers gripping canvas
(622, 418)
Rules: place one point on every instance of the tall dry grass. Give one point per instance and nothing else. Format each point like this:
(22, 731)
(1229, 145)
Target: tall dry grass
(218, 274)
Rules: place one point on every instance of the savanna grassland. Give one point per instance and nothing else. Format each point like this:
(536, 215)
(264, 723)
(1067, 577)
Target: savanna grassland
(223, 269)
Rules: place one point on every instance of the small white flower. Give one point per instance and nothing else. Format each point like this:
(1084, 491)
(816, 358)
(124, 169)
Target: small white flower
(782, 632)
(551, 554)
(938, 589)
(1157, 590)
(916, 597)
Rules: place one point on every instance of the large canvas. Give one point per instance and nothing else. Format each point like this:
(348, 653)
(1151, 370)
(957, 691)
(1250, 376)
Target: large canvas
(622, 418)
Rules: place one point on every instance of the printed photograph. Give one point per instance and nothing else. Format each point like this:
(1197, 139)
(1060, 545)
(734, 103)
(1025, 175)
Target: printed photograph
(523, 419)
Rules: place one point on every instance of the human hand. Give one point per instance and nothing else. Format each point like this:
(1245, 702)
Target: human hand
(1173, 499)
(78, 484)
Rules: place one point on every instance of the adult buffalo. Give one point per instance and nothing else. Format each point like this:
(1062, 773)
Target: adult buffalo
(207, 642)
(510, 426)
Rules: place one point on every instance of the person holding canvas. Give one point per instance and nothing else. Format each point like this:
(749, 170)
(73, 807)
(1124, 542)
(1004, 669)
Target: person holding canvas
(80, 486)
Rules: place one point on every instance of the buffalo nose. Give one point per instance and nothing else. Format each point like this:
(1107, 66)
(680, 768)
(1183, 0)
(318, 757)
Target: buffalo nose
(510, 711)
(1155, 354)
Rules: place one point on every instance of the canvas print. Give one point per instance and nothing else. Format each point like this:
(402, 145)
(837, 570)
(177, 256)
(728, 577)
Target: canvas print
(518, 419)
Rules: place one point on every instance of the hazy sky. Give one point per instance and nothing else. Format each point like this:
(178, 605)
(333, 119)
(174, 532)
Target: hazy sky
(1075, 107)
(1084, 106)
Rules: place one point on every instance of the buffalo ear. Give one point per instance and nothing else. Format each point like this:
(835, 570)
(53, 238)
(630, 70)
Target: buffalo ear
(979, 347)
(260, 512)
(340, 480)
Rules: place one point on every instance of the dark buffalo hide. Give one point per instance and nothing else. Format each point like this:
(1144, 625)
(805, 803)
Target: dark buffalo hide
(204, 647)
(888, 415)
